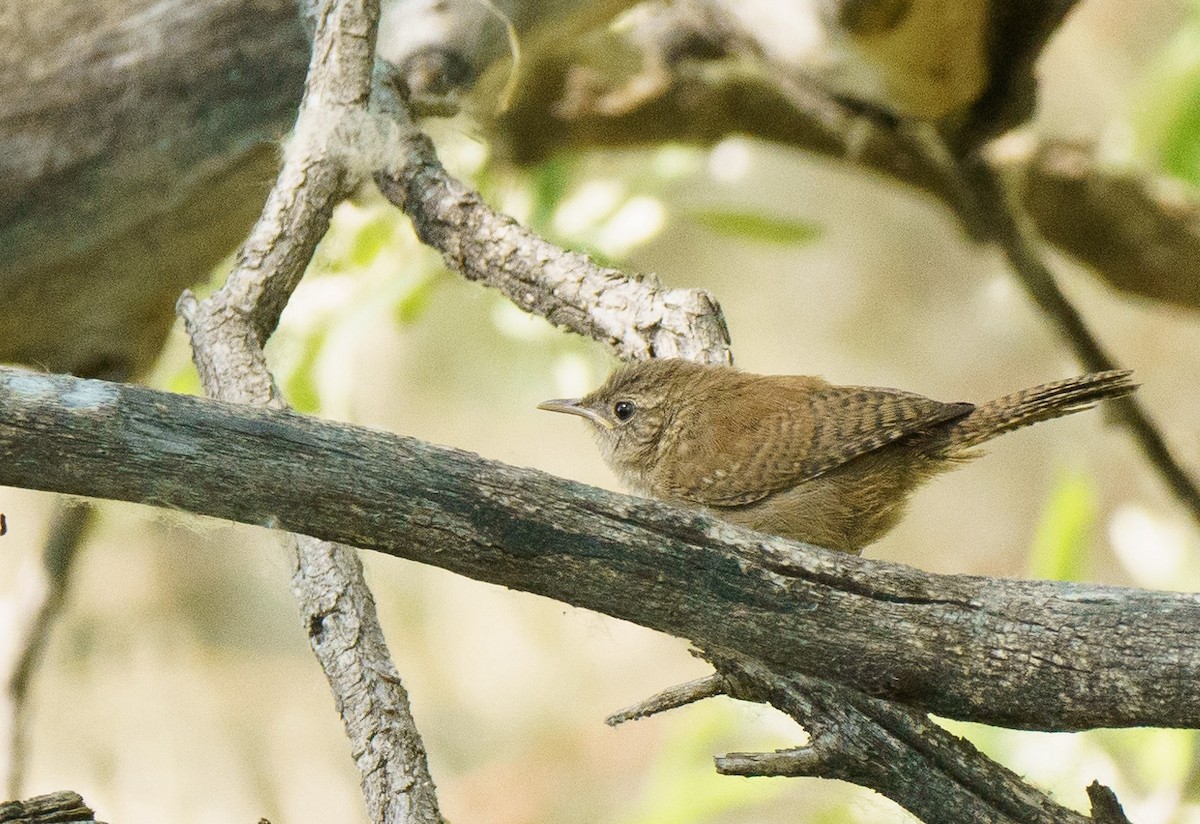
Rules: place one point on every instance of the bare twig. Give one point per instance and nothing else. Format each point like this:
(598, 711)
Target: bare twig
(670, 699)
(797, 762)
(42, 589)
(227, 333)
(1105, 807)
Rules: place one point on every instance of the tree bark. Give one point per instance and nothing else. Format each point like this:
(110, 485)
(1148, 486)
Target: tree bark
(1026, 654)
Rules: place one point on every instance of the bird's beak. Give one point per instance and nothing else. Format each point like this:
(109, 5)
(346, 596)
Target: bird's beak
(572, 406)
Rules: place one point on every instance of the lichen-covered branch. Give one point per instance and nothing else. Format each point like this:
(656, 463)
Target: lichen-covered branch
(1028, 654)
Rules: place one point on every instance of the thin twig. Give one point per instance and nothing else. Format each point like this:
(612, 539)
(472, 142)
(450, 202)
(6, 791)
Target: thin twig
(671, 698)
(789, 763)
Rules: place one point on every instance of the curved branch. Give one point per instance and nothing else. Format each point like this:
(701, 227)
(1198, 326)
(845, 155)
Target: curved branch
(634, 316)
(1027, 654)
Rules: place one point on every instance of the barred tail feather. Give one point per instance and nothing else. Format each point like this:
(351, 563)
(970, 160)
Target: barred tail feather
(1041, 403)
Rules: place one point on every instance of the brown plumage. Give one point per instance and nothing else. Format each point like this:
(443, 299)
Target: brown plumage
(797, 456)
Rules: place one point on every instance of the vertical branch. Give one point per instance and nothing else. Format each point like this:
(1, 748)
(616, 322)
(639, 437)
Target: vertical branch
(41, 591)
(228, 331)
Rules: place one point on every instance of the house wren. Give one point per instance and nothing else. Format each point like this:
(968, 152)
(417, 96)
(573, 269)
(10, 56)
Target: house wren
(796, 456)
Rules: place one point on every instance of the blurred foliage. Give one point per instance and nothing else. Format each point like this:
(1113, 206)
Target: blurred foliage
(755, 226)
(1155, 760)
(680, 788)
(1061, 544)
(1167, 117)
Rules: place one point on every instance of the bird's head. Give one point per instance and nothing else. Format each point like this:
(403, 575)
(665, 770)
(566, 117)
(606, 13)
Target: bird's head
(630, 414)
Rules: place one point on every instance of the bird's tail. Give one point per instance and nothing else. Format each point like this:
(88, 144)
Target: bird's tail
(1041, 403)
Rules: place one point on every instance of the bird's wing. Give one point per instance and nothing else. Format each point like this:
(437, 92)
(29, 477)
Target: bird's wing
(804, 437)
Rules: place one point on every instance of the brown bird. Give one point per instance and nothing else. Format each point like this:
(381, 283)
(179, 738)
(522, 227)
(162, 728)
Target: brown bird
(797, 456)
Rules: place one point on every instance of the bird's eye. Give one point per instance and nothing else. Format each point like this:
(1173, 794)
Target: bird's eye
(624, 410)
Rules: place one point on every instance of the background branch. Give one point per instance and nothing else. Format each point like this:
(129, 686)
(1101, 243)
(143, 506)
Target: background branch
(987, 197)
(1136, 232)
(41, 592)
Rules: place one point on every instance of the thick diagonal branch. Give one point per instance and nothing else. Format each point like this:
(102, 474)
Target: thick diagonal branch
(1028, 654)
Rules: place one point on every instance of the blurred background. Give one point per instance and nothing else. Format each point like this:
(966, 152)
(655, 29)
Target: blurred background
(178, 684)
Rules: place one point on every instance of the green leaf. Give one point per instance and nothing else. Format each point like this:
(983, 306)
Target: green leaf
(1060, 543)
(411, 305)
(1167, 116)
(756, 226)
(370, 239)
(1181, 147)
(548, 186)
(300, 386)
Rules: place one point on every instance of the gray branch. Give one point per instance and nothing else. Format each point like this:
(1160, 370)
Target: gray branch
(853, 737)
(41, 598)
(635, 316)
(1025, 654)
(228, 331)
